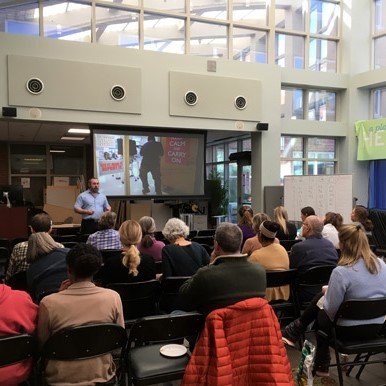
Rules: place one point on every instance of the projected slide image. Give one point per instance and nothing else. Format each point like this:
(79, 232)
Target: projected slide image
(150, 164)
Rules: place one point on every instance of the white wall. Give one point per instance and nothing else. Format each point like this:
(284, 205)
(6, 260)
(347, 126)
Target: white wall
(155, 71)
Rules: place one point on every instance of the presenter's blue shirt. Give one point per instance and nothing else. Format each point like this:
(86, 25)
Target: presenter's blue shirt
(88, 201)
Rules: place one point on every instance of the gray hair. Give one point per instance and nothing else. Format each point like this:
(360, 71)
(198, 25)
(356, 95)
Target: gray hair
(175, 228)
(316, 225)
(147, 224)
(107, 220)
(40, 243)
(229, 237)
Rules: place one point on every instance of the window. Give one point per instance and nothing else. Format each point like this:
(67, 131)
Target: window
(320, 105)
(379, 103)
(307, 155)
(379, 34)
(234, 29)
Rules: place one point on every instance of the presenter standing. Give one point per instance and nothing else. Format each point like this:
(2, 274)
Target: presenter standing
(151, 153)
(91, 204)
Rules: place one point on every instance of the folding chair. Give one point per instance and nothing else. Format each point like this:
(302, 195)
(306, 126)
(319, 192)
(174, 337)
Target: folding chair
(359, 309)
(16, 348)
(138, 299)
(208, 240)
(285, 310)
(145, 363)
(110, 253)
(206, 232)
(311, 281)
(170, 287)
(85, 342)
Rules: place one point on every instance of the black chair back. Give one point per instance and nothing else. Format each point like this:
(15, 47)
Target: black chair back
(280, 278)
(362, 309)
(86, 341)
(158, 266)
(315, 276)
(208, 240)
(206, 232)
(164, 328)
(5, 243)
(18, 281)
(170, 287)
(138, 299)
(82, 238)
(287, 244)
(192, 234)
(66, 238)
(110, 253)
(68, 244)
(16, 348)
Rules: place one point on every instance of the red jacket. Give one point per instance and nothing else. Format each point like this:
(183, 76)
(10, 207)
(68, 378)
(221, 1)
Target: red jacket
(17, 316)
(240, 345)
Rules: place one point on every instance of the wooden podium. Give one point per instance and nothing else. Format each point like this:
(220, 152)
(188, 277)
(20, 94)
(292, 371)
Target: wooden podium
(13, 222)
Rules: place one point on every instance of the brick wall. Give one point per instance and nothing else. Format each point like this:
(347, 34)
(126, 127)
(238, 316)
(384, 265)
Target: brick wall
(3, 163)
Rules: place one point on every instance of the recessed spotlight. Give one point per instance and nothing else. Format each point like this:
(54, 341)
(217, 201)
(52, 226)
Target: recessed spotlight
(66, 138)
(79, 131)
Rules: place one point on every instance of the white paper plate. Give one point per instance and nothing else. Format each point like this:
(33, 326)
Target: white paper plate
(173, 350)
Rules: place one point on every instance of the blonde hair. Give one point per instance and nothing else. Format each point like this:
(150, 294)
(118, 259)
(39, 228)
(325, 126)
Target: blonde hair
(258, 219)
(355, 245)
(40, 243)
(131, 234)
(280, 216)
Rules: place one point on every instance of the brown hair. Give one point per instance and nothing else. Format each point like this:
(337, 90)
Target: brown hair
(259, 218)
(148, 228)
(361, 214)
(333, 218)
(355, 245)
(131, 234)
(246, 214)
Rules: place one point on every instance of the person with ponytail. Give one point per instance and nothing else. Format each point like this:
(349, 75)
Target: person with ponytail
(149, 245)
(359, 275)
(361, 214)
(132, 266)
(245, 222)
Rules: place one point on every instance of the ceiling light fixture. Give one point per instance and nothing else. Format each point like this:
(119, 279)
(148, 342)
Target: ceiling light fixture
(57, 151)
(79, 131)
(66, 138)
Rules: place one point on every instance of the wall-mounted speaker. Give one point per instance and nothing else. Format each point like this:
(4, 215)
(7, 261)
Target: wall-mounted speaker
(34, 86)
(190, 98)
(240, 102)
(9, 112)
(262, 126)
(118, 93)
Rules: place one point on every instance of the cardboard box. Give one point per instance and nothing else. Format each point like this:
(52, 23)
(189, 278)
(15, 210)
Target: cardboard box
(62, 215)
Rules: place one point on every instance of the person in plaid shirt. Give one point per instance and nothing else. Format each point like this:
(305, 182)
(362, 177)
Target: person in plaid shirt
(41, 222)
(107, 237)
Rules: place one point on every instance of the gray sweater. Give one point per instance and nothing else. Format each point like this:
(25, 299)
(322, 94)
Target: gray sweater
(354, 282)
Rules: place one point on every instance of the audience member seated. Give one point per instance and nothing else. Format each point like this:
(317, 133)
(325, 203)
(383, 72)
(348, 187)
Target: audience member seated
(107, 237)
(272, 257)
(253, 243)
(304, 213)
(228, 280)
(47, 267)
(181, 257)
(359, 275)
(79, 302)
(133, 266)
(149, 245)
(18, 315)
(313, 251)
(287, 230)
(332, 223)
(41, 222)
(245, 222)
(361, 214)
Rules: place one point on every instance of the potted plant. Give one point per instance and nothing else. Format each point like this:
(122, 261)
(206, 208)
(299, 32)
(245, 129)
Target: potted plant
(218, 197)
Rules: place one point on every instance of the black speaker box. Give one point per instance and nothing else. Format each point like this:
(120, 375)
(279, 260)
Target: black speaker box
(262, 126)
(9, 112)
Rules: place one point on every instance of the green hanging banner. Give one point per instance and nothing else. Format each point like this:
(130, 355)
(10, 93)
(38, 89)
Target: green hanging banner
(371, 139)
